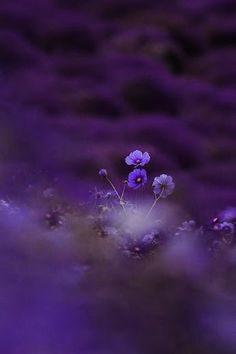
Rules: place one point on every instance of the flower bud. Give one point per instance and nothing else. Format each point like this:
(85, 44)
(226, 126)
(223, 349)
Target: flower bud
(103, 172)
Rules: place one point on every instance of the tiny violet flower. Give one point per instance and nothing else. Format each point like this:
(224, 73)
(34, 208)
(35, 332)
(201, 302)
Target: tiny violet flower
(163, 185)
(225, 227)
(137, 158)
(148, 238)
(137, 178)
(103, 172)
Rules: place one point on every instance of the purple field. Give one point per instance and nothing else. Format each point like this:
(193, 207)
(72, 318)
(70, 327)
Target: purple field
(83, 84)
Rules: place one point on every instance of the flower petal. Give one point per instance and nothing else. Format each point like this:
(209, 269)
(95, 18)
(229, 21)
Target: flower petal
(128, 160)
(145, 158)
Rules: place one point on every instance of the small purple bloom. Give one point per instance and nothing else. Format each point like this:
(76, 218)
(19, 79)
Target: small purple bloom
(137, 158)
(225, 227)
(137, 179)
(163, 185)
(148, 238)
(103, 172)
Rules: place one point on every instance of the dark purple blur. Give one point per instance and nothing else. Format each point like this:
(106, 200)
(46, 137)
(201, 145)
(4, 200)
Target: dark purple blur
(82, 84)
(85, 83)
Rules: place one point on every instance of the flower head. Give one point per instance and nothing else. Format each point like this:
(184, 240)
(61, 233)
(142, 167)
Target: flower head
(225, 227)
(103, 172)
(137, 178)
(163, 185)
(137, 158)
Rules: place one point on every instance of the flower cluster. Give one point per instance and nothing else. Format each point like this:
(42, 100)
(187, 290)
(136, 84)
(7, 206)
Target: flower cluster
(163, 185)
(138, 177)
(138, 235)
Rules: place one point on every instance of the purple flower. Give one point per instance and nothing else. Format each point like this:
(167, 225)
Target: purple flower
(148, 238)
(163, 185)
(137, 158)
(137, 179)
(225, 227)
(103, 172)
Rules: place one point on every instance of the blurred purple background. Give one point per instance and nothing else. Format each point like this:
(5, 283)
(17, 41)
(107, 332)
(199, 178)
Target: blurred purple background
(84, 83)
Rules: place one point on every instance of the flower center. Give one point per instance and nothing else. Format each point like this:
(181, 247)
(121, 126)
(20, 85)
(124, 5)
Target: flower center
(138, 161)
(139, 180)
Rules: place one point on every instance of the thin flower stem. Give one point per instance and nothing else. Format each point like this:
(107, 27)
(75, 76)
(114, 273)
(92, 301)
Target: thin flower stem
(123, 192)
(117, 194)
(154, 203)
(113, 187)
